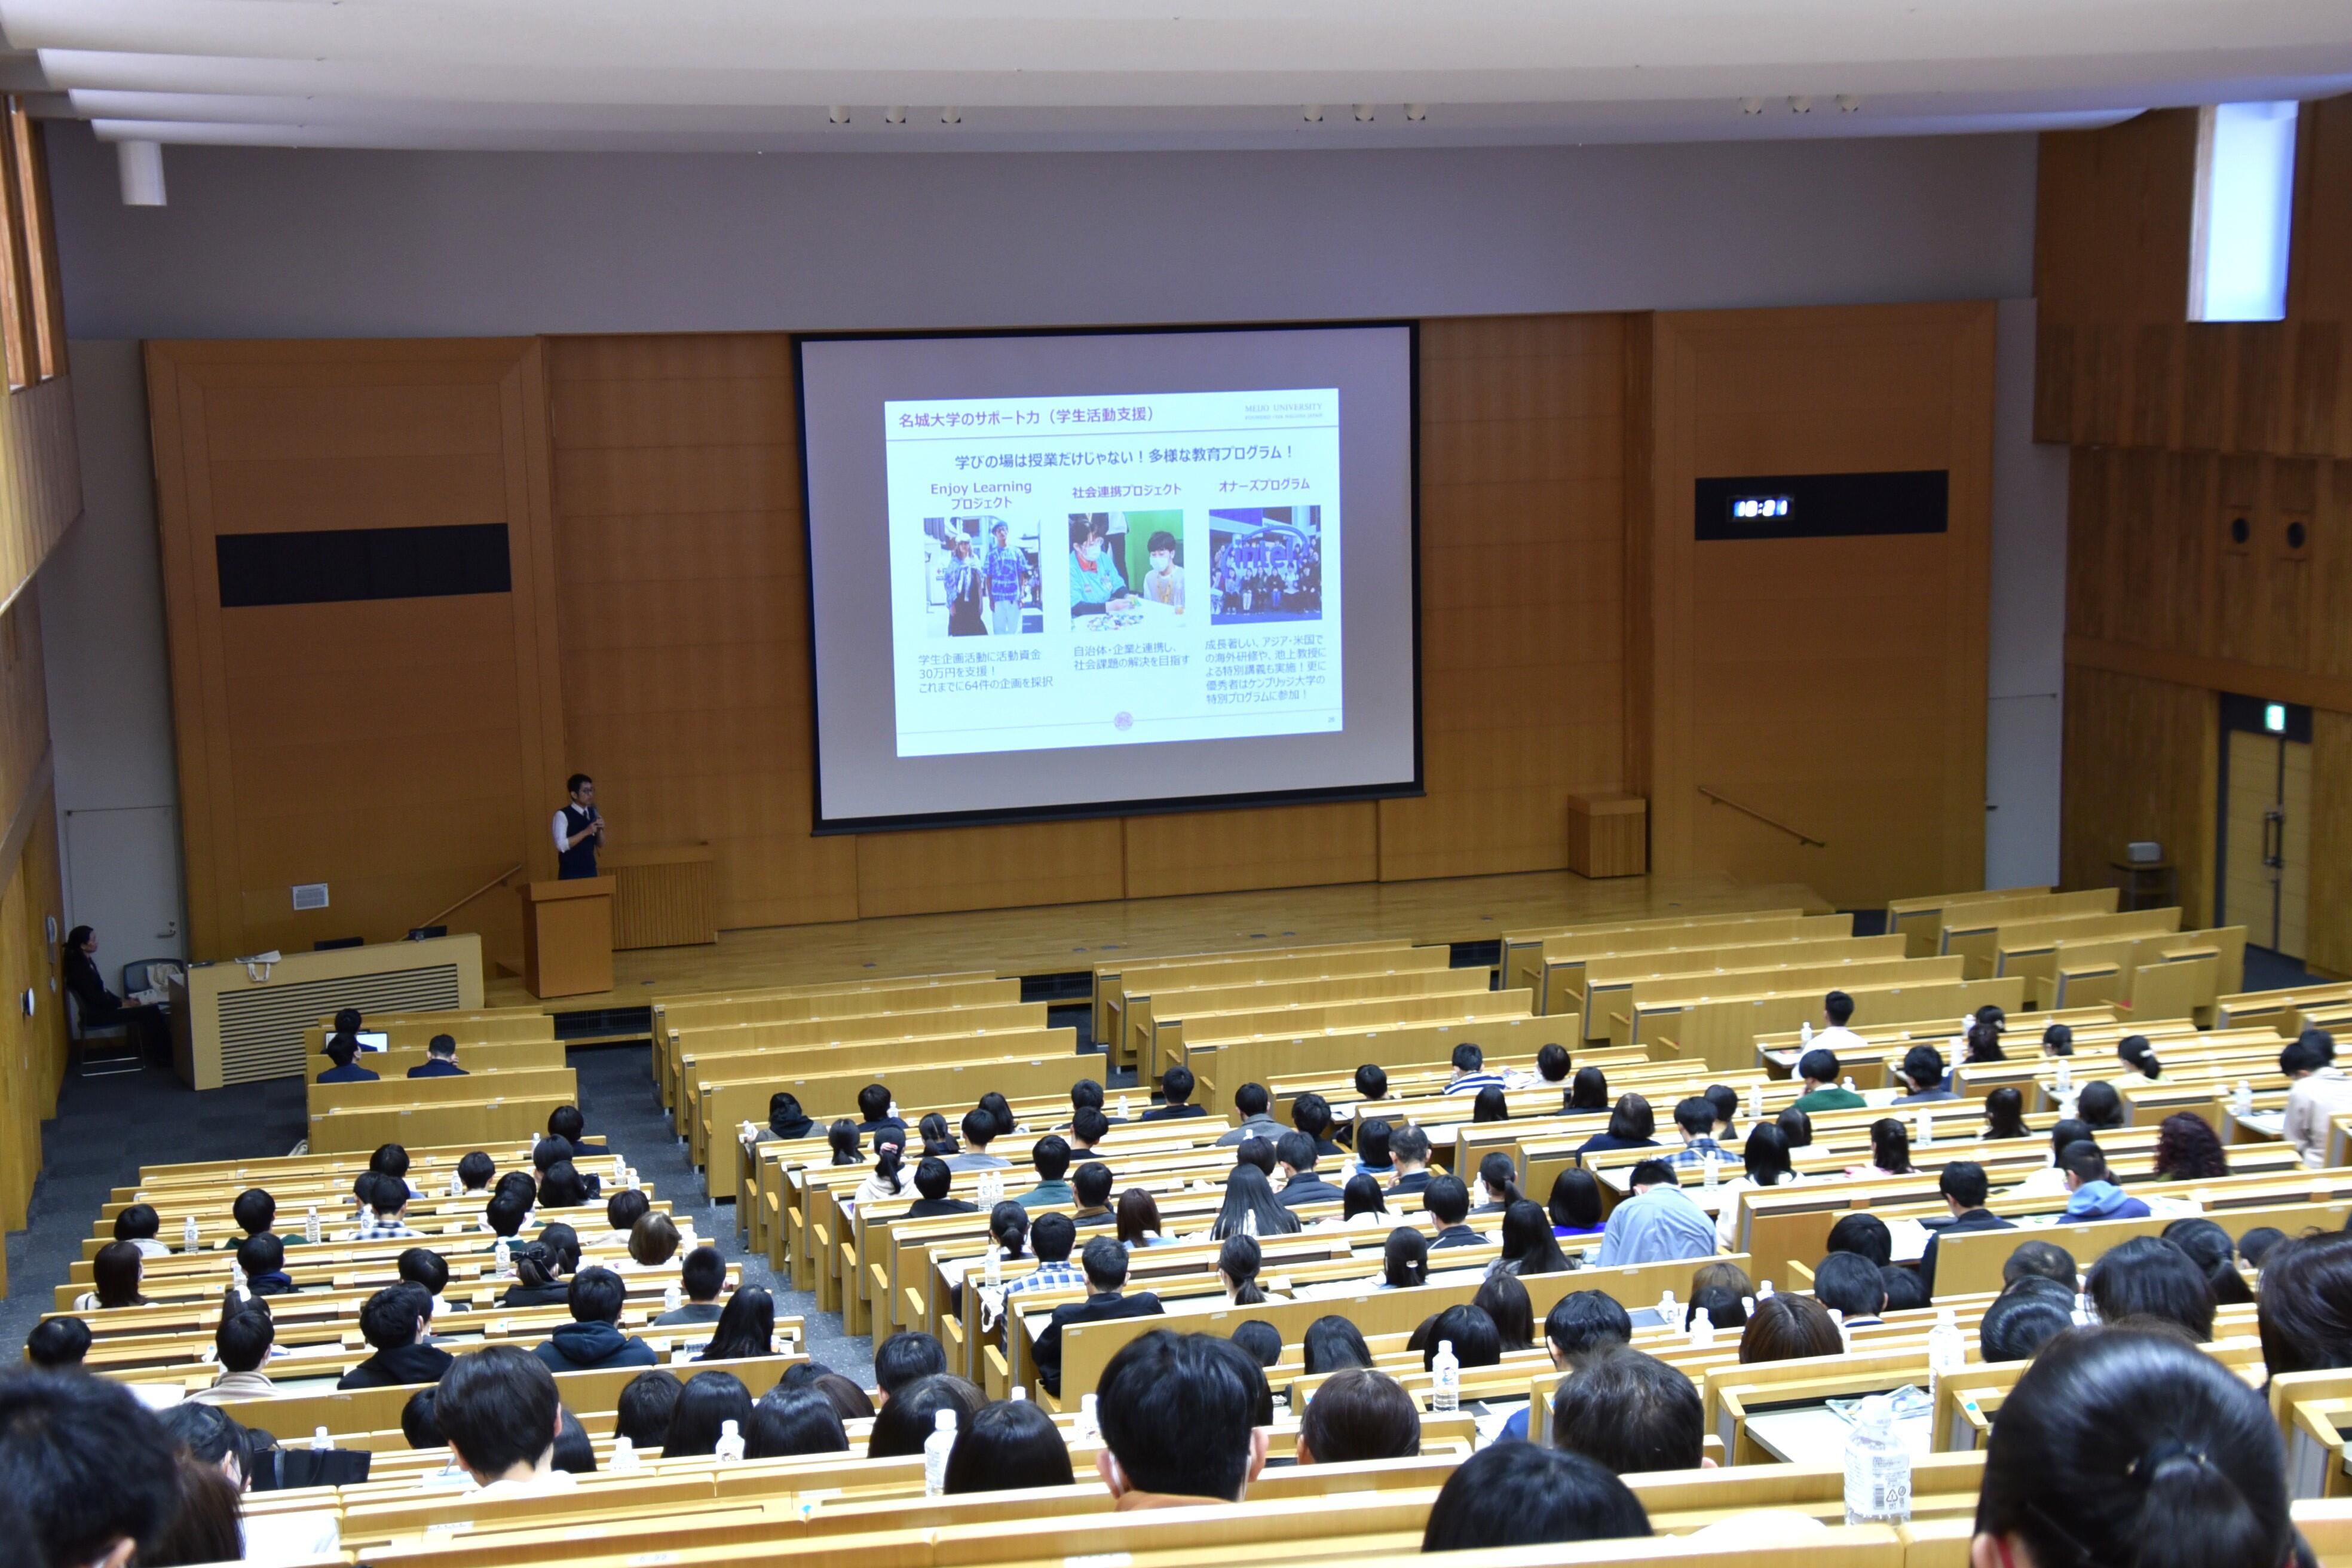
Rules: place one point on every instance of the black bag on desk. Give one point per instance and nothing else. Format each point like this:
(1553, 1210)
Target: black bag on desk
(278, 1469)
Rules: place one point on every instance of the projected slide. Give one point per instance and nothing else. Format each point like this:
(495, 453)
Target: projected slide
(1148, 567)
(1087, 573)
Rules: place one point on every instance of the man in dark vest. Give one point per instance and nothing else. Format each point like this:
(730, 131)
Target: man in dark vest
(578, 830)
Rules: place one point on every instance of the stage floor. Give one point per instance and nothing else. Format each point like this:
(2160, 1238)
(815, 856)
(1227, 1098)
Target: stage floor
(1058, 938)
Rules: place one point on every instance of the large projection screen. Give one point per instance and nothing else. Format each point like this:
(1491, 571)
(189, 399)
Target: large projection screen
(1076, 574)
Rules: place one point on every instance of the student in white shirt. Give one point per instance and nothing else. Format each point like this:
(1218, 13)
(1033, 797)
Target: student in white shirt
(140, 1226)
(1837, 1008)
(498, 1410)
(2320, 1093)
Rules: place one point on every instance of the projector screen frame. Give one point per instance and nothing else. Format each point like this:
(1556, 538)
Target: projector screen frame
(822, 826)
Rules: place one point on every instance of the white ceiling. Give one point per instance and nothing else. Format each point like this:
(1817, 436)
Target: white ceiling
(765, 74)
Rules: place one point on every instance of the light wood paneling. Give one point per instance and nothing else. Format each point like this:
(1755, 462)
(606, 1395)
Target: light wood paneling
(1835, 685)
(2331, 842)
(1220, 851)
(2142, 762)
(402, 750)
(990, 867)
(32, 1049)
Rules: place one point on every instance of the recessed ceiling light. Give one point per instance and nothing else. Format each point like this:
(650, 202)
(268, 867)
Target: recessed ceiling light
(1312, 113)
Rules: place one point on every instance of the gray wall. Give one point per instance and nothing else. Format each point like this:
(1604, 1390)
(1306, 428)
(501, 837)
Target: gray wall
(271, 243)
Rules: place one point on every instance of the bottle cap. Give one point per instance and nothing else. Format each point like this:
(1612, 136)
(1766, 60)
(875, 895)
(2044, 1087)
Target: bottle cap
(1445, 1347)
(944, 1421)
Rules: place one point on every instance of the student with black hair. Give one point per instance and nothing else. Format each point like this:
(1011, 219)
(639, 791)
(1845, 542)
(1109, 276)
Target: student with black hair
(1470, 1075)
(594, 1339)
(874, 1113)
(263, 1259)
(1467, 1328)
(1311, 1113)
(2216, 1256)
(904, 1357)
(708, 1402)
(1090, 1187)
(1588, 1094)
(2318, 1092)
(1922, 1075)
(440, 1059)
(1332, 1343)
(428, 1270)
(59, 1344)
(1726, 1100)
(2004, 1115)
(2130, 1448)
(1630, 1413)
(1404, 1259)
(1296, 1153)
(1051, 1157)
(1796, 1127)
(2305, 1310)
(1176, 1089)
(1238, 1261)
(1965, 1188)
(2256, 1243)
(386, 1214)
(789, 1422)
(1788, 1327)
(418, 1427)
(1051, 1239)
(1499, 1183)
(1553, 1065)
(1516, 1494)
(1504, 1300)
(344, 1052)
(1371, 1081)
(902, 1427)
(139, 1225)
(1849, 1284)
(1818, 1068)
(746, 1327)
(1695, 1119)
(2046, 1260)
(642, 1413)
(1105, 1264)
(2136, 1054)
(979, 1132)
(786, 1121)
(2147, 1277)
(1575, 1206)
(475, 1174)
(566, 1122)
(89, 1471)
(1255, 1106)
(1179, 1422)
(1837, 1013)
(1371, 1151)
(622, 1211)
(2099, 1107)
(498, 1410)
(2019, 1323)
(255, 1211)
(1631, 1125)
(2187, 1149)
(1358, 1414)
(395, 1321)
(933, 1180)
(702, 1277)
(1256, 1151)
(1008, 1445)
(562, 1186)
(1764, 1163)
(1658, 1222)
(539, 1277)
(115, 1274)
(2093, 1192)
(1866, 1234)
(1249, 1195)
(1409, 1151)
(1890, 1150)
(1089, 1127)
(1529, 1246)
(1448, 1203)
(1261, 1339)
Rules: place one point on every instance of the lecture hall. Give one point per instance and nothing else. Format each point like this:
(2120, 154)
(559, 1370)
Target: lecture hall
(1074, 786)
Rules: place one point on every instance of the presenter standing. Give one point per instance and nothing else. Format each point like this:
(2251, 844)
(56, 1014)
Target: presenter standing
(579, 830)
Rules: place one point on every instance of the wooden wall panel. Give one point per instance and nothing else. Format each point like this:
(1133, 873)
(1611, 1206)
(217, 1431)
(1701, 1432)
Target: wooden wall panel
(2142, 762)
(1522, 591)
(1834, 685)
(684, 611)
(1223, 851)
(990, 867)
(2331, 841)
(402, 750)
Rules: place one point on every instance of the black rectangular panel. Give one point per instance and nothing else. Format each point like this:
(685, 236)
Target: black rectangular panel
(362, 564)
(1821, 506)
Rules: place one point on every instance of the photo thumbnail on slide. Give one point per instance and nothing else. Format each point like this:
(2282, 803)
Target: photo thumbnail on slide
(1093, 645)
(981, 577)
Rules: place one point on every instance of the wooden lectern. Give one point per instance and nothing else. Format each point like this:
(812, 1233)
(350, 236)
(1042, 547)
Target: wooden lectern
(567, 936)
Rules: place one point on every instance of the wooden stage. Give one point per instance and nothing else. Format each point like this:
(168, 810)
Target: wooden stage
(1059, 938)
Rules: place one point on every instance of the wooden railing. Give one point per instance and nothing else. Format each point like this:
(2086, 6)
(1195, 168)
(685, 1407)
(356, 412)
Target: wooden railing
(500, 880)
(1801, 836)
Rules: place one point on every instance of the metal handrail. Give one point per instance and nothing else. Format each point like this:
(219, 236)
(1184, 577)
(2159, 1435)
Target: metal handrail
(499, 881)
(1800, 836)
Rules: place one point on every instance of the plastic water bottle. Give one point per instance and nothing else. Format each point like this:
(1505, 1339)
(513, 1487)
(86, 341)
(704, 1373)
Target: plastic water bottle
(189, 1238)
(1877, 1467)
(503, 1259)
(1847, 1083)
(320, 1441)
(1714, 1172)
(1748, 1306)
(730, 1443)
(1122, 1108)
(456, 1184)
(2068, 1103)
(1089, 1420)
(625, 1456)
(672, 1297)
(1249, 1222)
(936, 1449)
(1666, 1306)
(2065, 1075)
(1764, 1290)
(751, 1133)
(1702, 1331)
(310, 1225)
(1926, 1129)
(237, 1281)
(1805, 1032)
(2241, 1103)
(1755, 1101)
(893, 1113)
(621, 1171)
(1445, 1379)
(1948, 1348)
(995, 1269)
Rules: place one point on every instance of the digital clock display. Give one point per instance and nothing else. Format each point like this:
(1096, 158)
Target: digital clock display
(1751, 507)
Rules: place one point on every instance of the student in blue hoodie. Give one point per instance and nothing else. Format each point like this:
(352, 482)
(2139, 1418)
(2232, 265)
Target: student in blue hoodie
(2092, 1194)
(593, 1338)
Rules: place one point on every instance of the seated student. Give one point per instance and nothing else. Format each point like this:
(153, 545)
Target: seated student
(1837, 1012)
(141, 1226)
(58, 1345)
(1580, 1324)
(1890, 1151)
(504, 1218)
(1261, 1339)
(1726, 1100)
(344, 1052)
(904, 1357)
(2304, 1310)
(1588, 1094)
(1373, 1158)
(1764, 1163)
(1819, 1069)
(874, 1114)
(1499, 1183)
(1256, 1151)
(242, 1343)
(1470, 1075)
(1296, 1154)
(1448, 1201)
(1529, 1245)
(566, 1122)
(1311, 1113)
(701, 1277)
(1922, 1076)
(539, 1277)
(1090, 1186)
(1657, 1223)
(1253, 1103)
(2256, 1245)
(1238, 1261)
(2318, 1092)
(1788, 1327)
(1358, 1414)
(593, 1338)
(1050, 1240)
(1089, 1127)
(746, 1329)
(1051, 1157)
(979, 1132)
(497, 1411)
(440, 1059)
(622, 1211)
(1964, 1187)
(428, 1270)
(1087, 1093)
(1009, 1446)
(1631, 1126)
(1516, 1494)
(1409, 1151)
(395, 1321)
(2045, 1258)
(1179, 1422)
(1849, 1285)
(902, 1427)
(1371, 1081)
(653, 1244)
(1631, 1412)
(263, 1259)
(785, 1122)
(1552, 1067)
(386, 1218)
(1105, 1263)
(1575, 1203)
(475, 1174)
(2099, 1106)
(254, 1212)
(2189, 1150)
(932, 1180)
(1176, 1089)
(115, 1275)
(2122, 1447)
(2020, 1322)
(1866, 1234)
(418, 1427)
(2147, 1277)
(1695, 1119)
(90, 1473)
(642, 1413)
(346, 1027)
(2092, 1194)
(843, 1135)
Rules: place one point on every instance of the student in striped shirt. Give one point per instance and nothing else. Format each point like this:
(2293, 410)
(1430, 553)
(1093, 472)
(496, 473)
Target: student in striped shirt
(1470, 1074)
